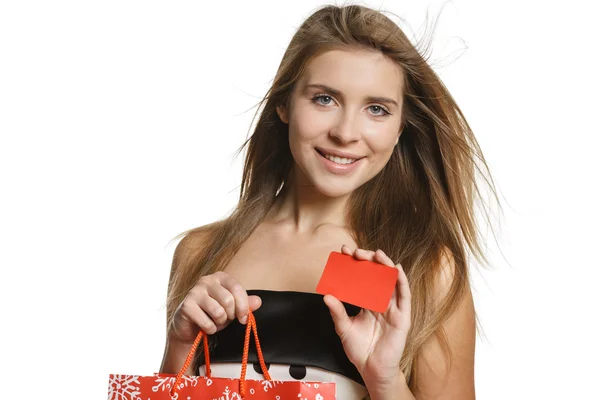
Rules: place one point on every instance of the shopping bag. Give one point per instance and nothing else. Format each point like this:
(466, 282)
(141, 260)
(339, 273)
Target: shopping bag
(187, 387)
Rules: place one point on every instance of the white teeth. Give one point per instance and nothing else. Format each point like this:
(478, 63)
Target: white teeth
(339, 160)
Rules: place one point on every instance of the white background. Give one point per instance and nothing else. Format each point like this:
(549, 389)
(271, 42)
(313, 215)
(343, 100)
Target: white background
(119, 121)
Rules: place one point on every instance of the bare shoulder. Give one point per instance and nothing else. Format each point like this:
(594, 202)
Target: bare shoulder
(193, 241)
(438, 377)
(446, 274)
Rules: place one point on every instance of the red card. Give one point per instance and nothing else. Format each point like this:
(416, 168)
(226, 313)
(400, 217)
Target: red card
(363, 283)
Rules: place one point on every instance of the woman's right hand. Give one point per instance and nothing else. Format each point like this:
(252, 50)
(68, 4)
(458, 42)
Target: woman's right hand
(212, 304)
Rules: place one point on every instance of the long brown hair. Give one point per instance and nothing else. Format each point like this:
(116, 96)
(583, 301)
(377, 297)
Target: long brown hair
(420, 206)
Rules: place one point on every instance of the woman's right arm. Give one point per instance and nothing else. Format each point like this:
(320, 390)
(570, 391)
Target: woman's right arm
(176, 351)
(175, 354)
(214, 301)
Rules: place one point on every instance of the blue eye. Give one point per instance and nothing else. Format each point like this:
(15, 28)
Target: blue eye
(317, 100)
(319, 97)
(385, 112)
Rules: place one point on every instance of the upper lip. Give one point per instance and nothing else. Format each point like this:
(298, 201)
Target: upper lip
(337, 153)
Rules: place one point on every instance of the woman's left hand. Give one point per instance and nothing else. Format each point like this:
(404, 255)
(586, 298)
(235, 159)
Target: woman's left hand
(374, 342)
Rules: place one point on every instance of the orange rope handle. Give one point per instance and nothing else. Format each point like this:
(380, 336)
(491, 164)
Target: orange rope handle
(245, 359)
(261, 359)
(189, 358)
(251, 326)
(206, 356)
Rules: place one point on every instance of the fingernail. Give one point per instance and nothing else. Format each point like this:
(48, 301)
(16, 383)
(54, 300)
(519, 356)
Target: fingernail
(244, 319)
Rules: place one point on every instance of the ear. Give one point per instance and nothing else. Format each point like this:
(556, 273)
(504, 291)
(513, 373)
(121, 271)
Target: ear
(282, 111)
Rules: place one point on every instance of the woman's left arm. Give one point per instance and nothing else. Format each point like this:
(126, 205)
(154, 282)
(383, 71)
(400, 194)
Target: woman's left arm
(434, 381)
(397, 390)
(375, 342)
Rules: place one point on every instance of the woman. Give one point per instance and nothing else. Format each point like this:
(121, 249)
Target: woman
(360, 149)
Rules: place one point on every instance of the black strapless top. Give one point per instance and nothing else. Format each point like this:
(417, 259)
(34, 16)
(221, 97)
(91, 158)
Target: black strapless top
(294, 328)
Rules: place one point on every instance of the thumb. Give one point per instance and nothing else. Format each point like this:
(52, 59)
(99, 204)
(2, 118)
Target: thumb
(340, 317)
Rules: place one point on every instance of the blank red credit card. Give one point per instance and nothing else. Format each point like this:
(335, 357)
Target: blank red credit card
(363, 283)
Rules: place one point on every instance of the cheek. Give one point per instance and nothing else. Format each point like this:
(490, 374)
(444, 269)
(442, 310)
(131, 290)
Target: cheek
(382, 143)
(307, 125)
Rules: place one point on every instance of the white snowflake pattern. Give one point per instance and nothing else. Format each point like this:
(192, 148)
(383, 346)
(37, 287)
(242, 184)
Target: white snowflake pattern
(227, 393)
(165, 383)
(317, 397)
(270, 384)
(310, 384)
(121, 387)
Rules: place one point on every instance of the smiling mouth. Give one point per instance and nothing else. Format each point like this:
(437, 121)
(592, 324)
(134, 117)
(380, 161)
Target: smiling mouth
(338, 160)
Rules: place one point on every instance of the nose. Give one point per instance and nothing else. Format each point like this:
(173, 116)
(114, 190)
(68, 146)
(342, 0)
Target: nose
(346, 130)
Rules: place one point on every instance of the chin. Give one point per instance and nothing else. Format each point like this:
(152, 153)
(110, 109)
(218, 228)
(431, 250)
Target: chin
(333, 190)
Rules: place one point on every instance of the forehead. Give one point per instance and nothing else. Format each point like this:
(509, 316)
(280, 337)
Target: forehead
(356, 72)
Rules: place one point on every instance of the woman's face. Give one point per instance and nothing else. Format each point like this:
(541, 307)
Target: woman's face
(347, 103)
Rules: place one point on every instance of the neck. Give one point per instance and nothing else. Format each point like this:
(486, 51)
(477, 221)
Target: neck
(304, 209)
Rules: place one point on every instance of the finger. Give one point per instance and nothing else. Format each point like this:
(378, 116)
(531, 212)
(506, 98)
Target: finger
(382, 258)
(213, 309)
(340, 317)
(241, 301)
(403, 297)
(346, 250)
(362, 254)
(224, 297)
(255, 302)
(192, 312)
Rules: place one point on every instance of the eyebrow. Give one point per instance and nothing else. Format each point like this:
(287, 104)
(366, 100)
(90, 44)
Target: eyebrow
(336, 92)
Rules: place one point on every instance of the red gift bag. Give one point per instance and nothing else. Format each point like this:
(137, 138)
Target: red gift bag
(187, 387)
